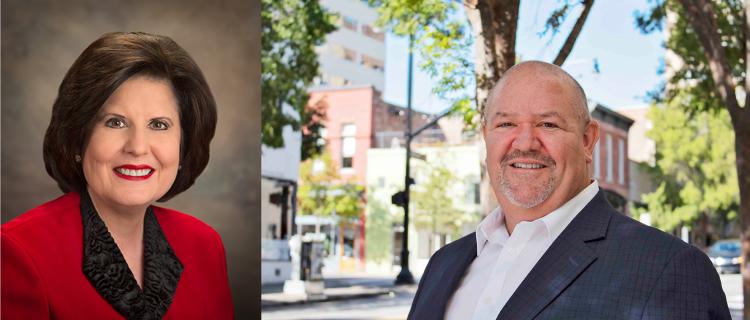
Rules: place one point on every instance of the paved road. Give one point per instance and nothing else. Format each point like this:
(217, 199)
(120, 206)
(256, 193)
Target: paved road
(396, 305)
(732, 284)
(393, 306)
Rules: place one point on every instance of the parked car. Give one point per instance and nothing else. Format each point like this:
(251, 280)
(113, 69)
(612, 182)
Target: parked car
(726, 255)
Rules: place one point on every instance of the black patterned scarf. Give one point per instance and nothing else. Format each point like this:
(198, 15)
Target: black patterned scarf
(106, 269)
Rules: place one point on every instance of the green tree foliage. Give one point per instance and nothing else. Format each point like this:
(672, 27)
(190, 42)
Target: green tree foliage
(444, 36)
(322, 193)
(291, 29)
(443, 39)
(379, 230)
(434, 209)
(694, 164)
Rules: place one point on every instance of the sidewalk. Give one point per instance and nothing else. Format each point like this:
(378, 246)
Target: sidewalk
(337, 287)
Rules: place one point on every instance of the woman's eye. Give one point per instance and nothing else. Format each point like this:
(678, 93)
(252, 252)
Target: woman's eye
(159, 125)
(115, 123)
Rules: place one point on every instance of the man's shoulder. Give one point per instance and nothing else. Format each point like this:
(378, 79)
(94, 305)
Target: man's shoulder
(634, 235)
(625, 227)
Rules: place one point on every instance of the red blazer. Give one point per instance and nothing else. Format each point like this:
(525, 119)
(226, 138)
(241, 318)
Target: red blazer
(42, 277)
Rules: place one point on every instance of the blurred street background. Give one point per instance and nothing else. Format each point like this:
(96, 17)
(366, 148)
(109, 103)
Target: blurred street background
(372, 154)
(373, 297)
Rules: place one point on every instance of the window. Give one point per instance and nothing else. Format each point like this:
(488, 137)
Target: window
(343, 53)
(349, 23)
(373, 63)
(336, 81)
(621, 161)
(323, 136)
(348, 145)
(610, 172)
(472, 190)
(597, 160)
(350, 55)
(373, 33)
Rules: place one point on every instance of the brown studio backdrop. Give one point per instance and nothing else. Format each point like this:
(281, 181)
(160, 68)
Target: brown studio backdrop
(40, 41)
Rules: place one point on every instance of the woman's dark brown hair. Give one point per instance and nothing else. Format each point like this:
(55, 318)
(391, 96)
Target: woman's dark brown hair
(94, 76)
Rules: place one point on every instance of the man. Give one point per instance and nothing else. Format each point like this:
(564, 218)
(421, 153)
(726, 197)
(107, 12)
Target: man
(555, 248)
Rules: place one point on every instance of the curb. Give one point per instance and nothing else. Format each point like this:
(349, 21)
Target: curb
(273, 304)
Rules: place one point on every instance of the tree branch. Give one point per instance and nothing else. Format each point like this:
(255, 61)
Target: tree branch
(573, 36)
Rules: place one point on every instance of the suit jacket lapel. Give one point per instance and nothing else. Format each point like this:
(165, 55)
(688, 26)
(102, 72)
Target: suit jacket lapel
(447, 278)
(561, 264)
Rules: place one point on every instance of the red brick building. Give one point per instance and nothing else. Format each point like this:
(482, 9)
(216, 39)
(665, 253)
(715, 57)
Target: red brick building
(357, 120)
(610, 166)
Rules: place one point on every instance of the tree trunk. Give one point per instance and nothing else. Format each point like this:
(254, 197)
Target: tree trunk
(741, 124)
(742, 150)
(494, 24)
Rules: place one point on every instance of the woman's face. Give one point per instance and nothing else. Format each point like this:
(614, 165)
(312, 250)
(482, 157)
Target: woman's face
(133, 153)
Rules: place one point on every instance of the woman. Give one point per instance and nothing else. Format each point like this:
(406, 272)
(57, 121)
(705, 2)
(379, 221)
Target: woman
(131, 125)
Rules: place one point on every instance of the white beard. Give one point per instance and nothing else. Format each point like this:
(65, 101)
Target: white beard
(536, 195)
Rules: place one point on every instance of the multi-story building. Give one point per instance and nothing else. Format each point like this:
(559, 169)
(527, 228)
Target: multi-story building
(357, 119)
(355, 53)
(641, 152)
(610, 166)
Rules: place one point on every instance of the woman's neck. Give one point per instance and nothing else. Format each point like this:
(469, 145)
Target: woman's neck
(125, 225)
(125, 222)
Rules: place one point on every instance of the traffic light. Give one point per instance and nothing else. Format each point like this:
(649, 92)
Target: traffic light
(399, 199)
(277, 198)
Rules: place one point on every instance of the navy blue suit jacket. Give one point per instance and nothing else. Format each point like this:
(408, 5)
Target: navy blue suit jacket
(604, 265)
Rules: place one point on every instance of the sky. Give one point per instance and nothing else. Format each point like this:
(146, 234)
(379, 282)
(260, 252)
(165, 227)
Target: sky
(628, 60)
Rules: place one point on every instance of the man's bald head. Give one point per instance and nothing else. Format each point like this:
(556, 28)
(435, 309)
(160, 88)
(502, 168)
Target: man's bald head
(546, 71)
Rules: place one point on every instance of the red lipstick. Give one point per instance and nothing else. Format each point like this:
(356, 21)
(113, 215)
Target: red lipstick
(134, 172)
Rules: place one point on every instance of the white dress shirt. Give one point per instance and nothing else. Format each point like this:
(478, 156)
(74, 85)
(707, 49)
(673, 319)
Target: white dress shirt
(504, 260)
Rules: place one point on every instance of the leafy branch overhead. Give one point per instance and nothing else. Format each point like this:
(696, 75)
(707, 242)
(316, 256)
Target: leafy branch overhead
(445, 34)
(291, 29)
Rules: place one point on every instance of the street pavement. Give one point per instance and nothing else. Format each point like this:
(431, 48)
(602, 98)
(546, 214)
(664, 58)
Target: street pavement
(732, 285)
(348, 297)
(375, 297)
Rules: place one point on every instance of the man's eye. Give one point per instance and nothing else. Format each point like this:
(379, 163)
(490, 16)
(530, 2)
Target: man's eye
(115, 123)
(548, 125)
(504, 125)
(158, 125)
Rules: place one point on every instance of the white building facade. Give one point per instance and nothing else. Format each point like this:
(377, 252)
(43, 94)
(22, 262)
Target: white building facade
(355, 53)
(385, 176)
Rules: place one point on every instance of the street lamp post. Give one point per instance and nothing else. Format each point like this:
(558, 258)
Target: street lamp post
(405, 276)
